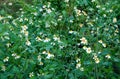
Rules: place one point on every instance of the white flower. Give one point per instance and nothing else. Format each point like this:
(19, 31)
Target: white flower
(104, 45)
(98, 6)
(71, 31)
(44, 52)
(77, 60)
(81, 25)
(39, 58)
(88, 50)
(111, 11)
(49, 56)
(9, 16)
(82, 69)
(100, 41)
(49, 11)
(78, 65)
(108, 56)
(24, 27)
(41, 63)
(66, 1)
(14, 54)
(28, 43)
(10, 4)
(56, 38)
(84, 47)
(38, 39)
(31, 74)
(114, 20)
(84, 40)
(96, 59)
(17, 57)
(46, 40)
(6, 59)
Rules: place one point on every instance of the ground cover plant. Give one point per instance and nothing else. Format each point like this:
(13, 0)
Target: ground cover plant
(59, 39)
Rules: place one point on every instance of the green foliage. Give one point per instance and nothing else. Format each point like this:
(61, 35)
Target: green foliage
(60, 39)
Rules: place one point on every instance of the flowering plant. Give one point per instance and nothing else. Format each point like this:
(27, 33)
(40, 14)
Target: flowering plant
(53, 39)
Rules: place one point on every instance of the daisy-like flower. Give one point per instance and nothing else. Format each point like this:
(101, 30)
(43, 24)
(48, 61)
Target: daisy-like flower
(39, 58)
(77, 60)
(114, 20)
(78, 65)
(71, 31)
(96, 59)
(84, 41)
(10, 4)
(31, 74)
(24, 27)
(46, 40)
(49, 55)
(82, 69)
(49, 11)
(38, 38)
(17, 57)
(81, 25)
(56, 38)
(100, 41)
(28, 43)
(41, 63)
(104, 45)
(6, 59)
(108, 56)
(66, 1)
(88, 50)
(44, 52)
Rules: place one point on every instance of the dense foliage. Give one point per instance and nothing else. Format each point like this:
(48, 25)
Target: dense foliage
(60, 39)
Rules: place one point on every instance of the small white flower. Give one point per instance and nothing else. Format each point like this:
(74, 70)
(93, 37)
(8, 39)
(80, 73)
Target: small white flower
(98, 6)
(46, 40)
(17, 57)
(88, 50)
(100, 41)
(77, 60)
(71, 31)
(66, 1)
(82, 69)
(38, 39)
(104, 45)
(41, 63)
(110, 11)
(49, 56)
(28, 43)
(14, 54)
(56, 38)
(78, 65)
(31, 74)
(108, 56)
(84, 40)
(114, 20)
(10, 4)
(39, 58)
(6, 59)
(44, 52)
(49, 11)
